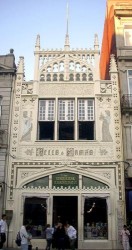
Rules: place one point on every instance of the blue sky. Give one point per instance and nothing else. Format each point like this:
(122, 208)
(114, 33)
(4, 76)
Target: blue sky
(22, 20)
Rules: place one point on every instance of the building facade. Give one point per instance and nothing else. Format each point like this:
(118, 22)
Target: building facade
(117, 39)
(7, 79)
(66, 148)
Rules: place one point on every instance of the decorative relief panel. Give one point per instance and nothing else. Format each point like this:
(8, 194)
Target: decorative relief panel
(117, 132)
(104, 102)
(63, 152)
(27, 88)
(68, 88)
(105, 87)
(105, 117)
(116, 111)
(25, 174)
(16, 115)
(27, 125)
(28, 101)
(72, 67)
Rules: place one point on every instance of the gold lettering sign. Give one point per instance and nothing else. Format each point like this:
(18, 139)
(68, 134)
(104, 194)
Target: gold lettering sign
(65, 180)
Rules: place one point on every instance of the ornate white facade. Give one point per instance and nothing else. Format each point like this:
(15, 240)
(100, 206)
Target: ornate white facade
(71, 78)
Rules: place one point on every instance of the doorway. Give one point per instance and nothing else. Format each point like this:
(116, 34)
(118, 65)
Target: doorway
(65, 209)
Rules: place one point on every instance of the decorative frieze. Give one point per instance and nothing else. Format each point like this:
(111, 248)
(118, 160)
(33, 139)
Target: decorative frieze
(79, 151)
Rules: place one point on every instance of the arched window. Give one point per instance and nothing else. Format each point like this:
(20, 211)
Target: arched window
(84, 77)
(61, 78)
(71, 77)
(90, 77)
(55, 67)
(42, 77)
(48, 77)
(55, 77)
(77, 77)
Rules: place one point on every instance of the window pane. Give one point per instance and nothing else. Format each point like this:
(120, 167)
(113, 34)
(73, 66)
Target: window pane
(70, 115)
(86, 130)
(61, 110)
(42, 110)
(130, 81)
(0, 105)
(46, 131)
(51, 111)
(66, 110)
(95, 219)
(86, 110)
(90, 110)
(81, 111)
(46, 110)
(42, 182)
(130, 73)
(66, 130)
(128, 37)
(130, 85)
(35, 216)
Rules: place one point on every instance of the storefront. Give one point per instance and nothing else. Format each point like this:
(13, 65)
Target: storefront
(72, 197)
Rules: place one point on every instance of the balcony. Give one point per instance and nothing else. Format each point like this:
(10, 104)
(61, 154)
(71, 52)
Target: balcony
(126, 103)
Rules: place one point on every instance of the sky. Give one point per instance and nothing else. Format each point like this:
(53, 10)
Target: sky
(22, 20)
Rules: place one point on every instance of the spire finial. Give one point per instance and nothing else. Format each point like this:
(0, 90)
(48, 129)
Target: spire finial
(96, 42)
(113, 65)
(67, 17)
(37, 45)
(67, 45)
(20, 67)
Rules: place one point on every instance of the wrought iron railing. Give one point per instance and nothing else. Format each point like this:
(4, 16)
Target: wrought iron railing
(126, 101)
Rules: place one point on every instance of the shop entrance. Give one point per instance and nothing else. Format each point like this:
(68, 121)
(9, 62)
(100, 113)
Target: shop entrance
(65, 209)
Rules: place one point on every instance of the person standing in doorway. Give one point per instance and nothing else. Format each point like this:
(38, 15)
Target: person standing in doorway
(3, 227)
(49, 235)
(60, 236)
(125, 238)
(72, 234)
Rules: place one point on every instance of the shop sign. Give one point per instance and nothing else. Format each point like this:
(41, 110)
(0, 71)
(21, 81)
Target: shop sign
(65, 180)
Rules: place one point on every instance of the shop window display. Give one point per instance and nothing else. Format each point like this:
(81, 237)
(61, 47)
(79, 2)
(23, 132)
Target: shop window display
(95, 219)
(35, 215)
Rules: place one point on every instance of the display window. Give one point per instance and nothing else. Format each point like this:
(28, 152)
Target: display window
(35, 215)
(95, 218)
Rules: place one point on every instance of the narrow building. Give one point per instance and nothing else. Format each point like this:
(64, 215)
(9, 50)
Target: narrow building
(117, 39)
(7, 80)
(66, 149)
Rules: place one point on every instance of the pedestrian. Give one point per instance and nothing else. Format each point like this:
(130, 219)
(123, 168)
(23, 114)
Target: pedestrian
(24, 238)
(125, 238)
(60, 236)
(3, 227)
(72, 234)
(28, 229)
(49, 235)
(54, 240)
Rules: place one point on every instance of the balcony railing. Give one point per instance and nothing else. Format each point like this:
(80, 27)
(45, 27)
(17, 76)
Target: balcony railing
(126, 102)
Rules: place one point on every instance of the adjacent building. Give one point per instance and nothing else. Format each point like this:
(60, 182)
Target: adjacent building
(7, 79)
(117, 40)
(66, 159)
